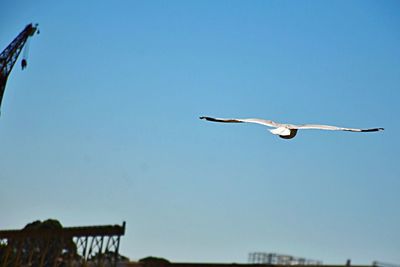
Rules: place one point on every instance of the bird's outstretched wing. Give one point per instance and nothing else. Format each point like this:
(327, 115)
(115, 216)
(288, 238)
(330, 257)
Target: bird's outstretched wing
(234, 120)
(333, 128)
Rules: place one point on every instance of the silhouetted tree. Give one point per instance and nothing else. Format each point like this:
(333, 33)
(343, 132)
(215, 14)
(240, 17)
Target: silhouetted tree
(154, 262)
(39, 250)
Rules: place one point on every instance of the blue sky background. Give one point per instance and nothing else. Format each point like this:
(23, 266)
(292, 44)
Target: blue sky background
(103, 126)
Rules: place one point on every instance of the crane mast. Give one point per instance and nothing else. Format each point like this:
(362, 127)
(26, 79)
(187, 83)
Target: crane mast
(9, 56)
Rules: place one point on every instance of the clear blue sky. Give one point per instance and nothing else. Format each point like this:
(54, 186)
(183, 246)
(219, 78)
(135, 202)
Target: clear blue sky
(103, 126)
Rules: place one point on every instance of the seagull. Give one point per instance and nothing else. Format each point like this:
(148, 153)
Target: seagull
(288, 131)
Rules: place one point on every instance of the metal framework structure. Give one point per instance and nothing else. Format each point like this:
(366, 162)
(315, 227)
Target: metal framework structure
(68, 246)
(159, 262)
(279, 259)
(9, 56)
(384, 264)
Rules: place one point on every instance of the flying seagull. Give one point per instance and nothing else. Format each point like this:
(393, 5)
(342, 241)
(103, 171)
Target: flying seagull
(288, 131)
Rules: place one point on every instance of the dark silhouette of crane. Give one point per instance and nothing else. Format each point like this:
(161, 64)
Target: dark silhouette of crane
(9, 56)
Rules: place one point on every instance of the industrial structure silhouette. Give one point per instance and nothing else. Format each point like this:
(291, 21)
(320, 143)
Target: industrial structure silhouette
(49, 244)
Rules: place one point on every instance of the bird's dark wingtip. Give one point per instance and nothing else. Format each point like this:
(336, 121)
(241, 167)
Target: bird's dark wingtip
(209, 118)
(206, 118)
(373, 130)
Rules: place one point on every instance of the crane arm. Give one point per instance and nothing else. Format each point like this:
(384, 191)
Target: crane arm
(9, 55)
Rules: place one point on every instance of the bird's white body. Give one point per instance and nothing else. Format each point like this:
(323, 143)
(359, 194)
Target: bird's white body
(288, 131)
(280, 131)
